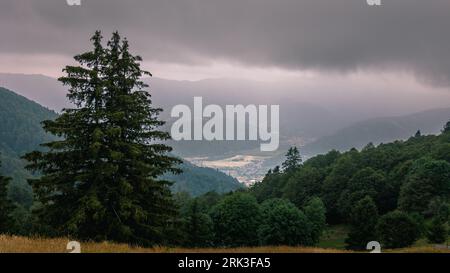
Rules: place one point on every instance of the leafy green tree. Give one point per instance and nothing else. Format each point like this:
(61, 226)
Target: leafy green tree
(100, 179)
(442, 152)
(283, 224)
(302, 185)
(437, 231)
(208, 201)
(6, 206)
(427, 179)
(397, 229)
(439, 207)
(293, 160)
(198, 227)
(236, 219)
(366, 182)
(335, 183)
(315, 211)
(363, 221)
(271, 187)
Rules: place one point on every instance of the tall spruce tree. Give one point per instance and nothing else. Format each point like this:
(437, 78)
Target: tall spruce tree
(6, 205)
(293, 160)
(100, 180)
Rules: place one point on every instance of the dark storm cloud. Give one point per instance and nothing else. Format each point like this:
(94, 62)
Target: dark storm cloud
(336, 35)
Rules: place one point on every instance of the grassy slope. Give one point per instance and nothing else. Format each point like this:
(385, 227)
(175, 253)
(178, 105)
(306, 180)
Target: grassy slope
(10, 244)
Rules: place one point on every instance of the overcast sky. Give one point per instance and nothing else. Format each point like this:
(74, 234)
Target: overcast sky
(257, 39)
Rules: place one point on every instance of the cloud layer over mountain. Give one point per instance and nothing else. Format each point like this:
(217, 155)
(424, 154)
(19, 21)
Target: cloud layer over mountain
(322, 35)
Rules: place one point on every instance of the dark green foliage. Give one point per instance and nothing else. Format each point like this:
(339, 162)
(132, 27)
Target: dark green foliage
(303, 185)
(417, 167)
(100, 181)
(439, 207)
(271, 186)
(208, 200)
(198, 227)
(397, 229)
(316, 213)
(437, 231)
(420, 221)
(20, 132)
(442, 152)
(236, 220)
(283, 224)
(427, 179)
(6, 206)
(365, 182)
(363, 221)
(334, 185)
(293, 160)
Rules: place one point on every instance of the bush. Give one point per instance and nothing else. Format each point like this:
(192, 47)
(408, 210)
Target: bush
(397, 229)
(437, 231)
(427, 180)
(283, 224)
(363, 221)
(236, 219)
(316, 213)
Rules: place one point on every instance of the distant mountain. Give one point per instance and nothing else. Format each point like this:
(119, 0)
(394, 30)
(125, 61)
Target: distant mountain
(300, 121)
(199, 180)
(21, 132)
(380, 130)
(44, 90)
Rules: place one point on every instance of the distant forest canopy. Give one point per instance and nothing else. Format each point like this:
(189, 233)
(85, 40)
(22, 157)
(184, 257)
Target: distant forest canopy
(404, 181)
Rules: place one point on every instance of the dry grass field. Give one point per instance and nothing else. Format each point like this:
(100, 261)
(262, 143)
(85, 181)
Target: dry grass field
(12, 244)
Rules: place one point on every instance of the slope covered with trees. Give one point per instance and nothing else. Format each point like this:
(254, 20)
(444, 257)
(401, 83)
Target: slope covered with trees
(380, 130)
(21, 132)
(403, 182)
(200, 180)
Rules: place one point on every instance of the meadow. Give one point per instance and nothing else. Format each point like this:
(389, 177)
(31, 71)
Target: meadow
(15, 244)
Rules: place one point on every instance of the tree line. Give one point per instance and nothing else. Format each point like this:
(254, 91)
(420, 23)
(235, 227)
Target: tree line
(395, 193)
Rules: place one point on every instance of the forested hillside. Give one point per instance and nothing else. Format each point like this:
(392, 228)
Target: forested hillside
(199, 180)
(404, 182)
(21, 132)
(379, 130)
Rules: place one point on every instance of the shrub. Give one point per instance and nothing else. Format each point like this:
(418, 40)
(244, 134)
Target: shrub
(397, 229)
(283, 224)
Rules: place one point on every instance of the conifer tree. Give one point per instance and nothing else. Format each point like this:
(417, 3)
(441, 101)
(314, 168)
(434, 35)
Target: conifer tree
(293, 160)
(100, 179)
(198, 227)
